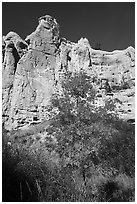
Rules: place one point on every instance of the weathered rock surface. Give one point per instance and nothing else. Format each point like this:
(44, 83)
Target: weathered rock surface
(34, 67)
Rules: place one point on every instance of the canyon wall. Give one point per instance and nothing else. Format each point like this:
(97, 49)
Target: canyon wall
(34, 68)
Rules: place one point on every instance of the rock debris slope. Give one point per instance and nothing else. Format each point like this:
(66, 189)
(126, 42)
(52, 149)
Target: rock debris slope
(33, 69)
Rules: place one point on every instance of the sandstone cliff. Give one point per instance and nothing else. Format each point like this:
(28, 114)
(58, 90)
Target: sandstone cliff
(33, 69)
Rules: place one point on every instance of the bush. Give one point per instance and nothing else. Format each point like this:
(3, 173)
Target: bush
(92, 160)
(89, 136)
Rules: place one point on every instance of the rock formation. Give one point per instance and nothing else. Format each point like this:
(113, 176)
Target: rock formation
(34, 67)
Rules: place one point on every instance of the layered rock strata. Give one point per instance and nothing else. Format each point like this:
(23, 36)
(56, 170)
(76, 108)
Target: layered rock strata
(33, 69)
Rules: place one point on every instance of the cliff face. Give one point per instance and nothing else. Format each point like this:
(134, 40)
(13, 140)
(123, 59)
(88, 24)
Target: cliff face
(34, 67)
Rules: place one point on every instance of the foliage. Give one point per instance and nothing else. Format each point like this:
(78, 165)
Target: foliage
(92, 160)
(90, 136)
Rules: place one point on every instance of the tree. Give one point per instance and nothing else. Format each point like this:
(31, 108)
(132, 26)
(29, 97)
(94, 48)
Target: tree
(74, 123)
(90, 138)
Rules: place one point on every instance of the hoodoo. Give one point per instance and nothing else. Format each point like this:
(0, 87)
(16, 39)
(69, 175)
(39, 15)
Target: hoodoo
(33, 69)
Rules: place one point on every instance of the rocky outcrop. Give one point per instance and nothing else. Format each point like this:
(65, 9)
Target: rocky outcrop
(13, 48)
(34, 76)
(115, 72)
(33, 69)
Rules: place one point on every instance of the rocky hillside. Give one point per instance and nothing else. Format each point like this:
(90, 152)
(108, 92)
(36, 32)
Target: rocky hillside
(34, 68)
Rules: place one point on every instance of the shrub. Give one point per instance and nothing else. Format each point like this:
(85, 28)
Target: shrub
(89, 136)
(92, 159)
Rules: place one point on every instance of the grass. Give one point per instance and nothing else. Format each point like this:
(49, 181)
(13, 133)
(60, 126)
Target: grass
(37, 172)
(83, 154)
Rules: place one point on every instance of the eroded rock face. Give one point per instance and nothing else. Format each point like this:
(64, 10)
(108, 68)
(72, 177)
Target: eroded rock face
(34, 79)
(46, 36)
(12, 51)
(116, 73)
(34, 68)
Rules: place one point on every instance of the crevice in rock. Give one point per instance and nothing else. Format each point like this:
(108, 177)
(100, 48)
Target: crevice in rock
(16, 57)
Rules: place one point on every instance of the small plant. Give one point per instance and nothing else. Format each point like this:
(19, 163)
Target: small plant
(90, 160)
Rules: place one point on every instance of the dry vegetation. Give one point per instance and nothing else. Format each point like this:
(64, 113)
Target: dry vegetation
(92, 160)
